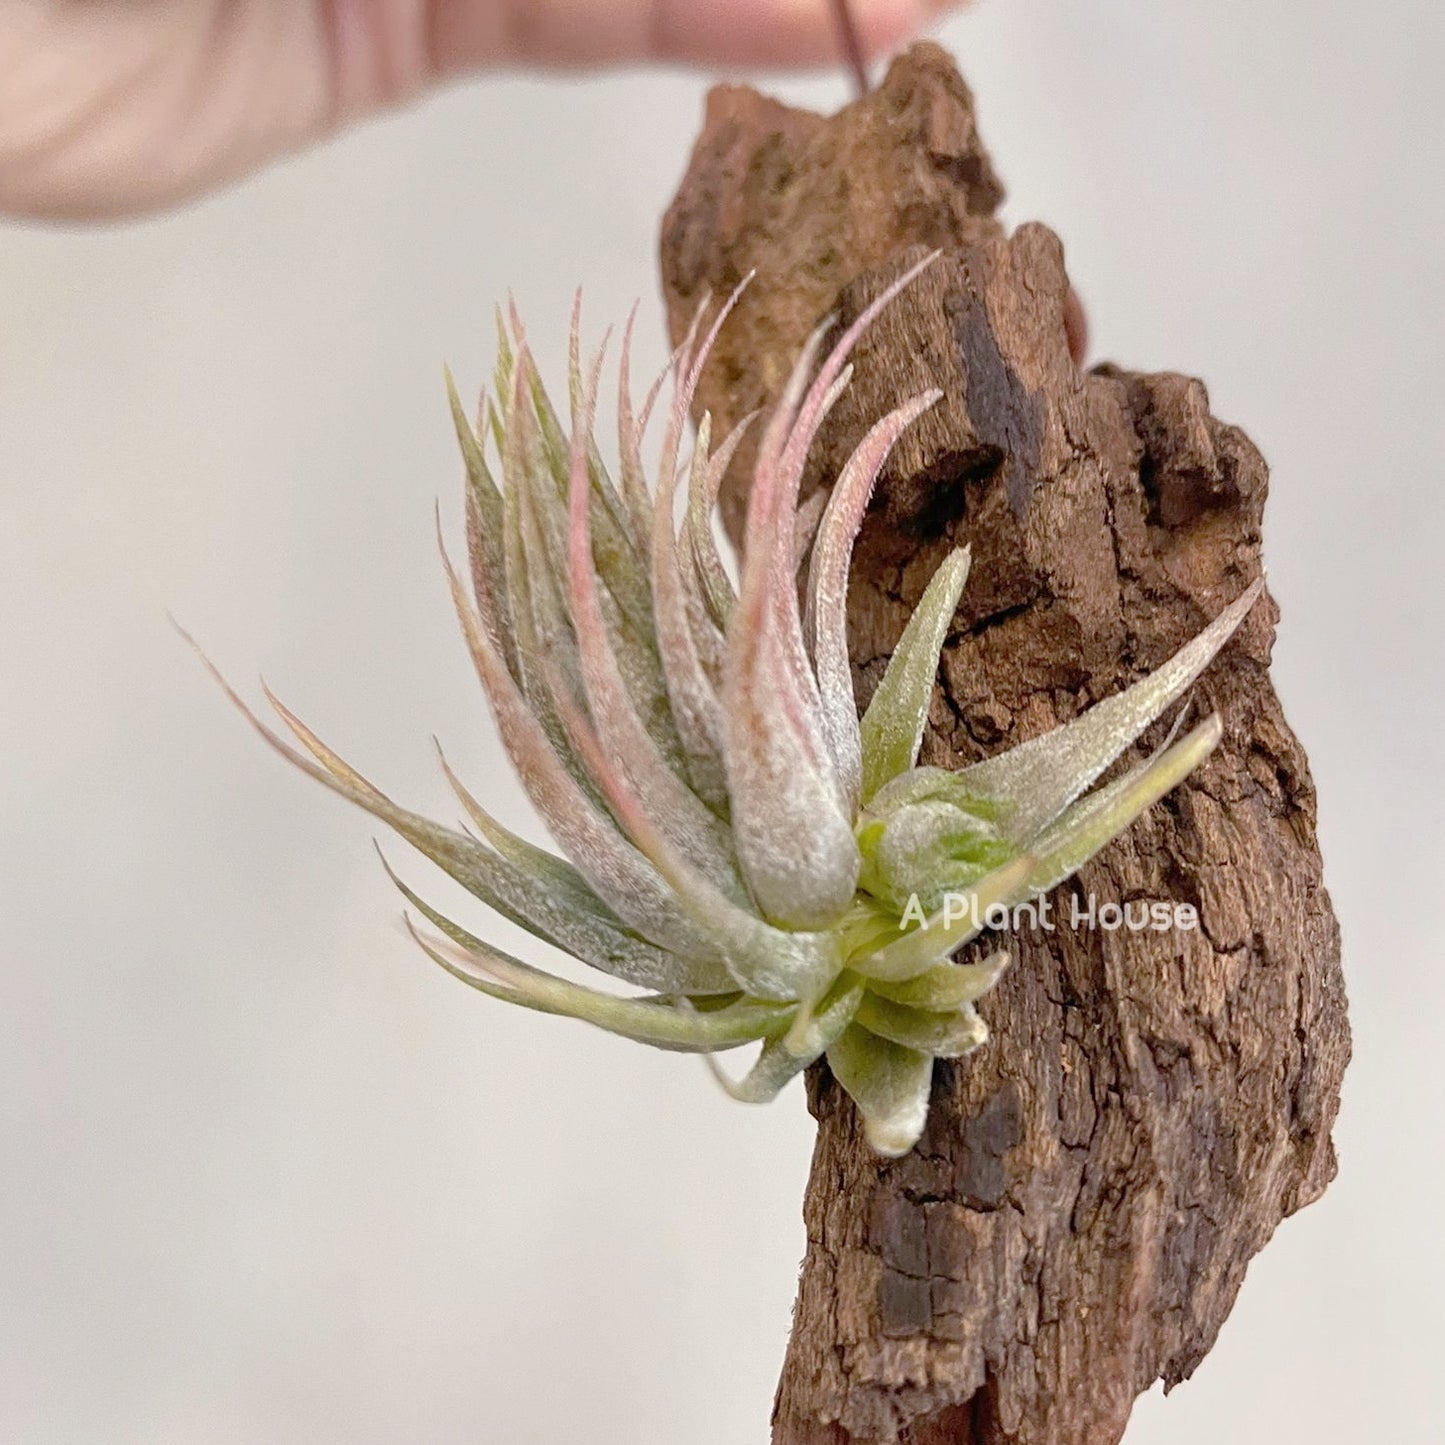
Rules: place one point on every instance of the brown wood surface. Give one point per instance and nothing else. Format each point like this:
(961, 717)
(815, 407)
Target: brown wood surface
(1078, 1218)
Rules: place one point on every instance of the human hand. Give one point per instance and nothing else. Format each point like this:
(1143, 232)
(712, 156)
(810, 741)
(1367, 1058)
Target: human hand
(109, 107)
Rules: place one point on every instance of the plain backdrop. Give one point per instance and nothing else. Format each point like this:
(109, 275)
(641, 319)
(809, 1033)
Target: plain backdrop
(266, 1175)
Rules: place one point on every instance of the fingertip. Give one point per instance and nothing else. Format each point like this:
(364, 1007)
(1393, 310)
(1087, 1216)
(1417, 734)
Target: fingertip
(740, 32)
(792, 32)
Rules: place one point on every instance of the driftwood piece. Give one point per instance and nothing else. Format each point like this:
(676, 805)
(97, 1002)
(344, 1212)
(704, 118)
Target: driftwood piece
(1078, 1217)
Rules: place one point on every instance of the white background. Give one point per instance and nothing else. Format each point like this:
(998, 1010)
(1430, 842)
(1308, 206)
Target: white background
(268, 1176)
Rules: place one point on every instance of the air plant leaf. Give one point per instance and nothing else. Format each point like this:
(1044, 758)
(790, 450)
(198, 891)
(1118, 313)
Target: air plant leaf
(1069, 843)
(1041, 777)
(946, 985)
(826, 618)
(733, 839)
(662, 1025)
(943, 1033)
(808, 1037)
(892, 727)
(890, 1084)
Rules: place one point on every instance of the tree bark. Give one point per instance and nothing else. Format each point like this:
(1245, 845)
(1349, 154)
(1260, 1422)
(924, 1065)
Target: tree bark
(1093, 1182)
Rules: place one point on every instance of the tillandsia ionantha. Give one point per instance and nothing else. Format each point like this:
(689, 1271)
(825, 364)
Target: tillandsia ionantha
(764, 865)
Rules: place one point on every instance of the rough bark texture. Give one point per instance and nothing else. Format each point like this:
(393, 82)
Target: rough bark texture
(1078, 1218)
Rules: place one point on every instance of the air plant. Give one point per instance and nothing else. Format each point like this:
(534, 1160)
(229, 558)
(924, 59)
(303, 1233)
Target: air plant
(765, 866)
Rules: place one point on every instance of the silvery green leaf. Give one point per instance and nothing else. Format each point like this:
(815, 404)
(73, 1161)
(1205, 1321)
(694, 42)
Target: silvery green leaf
(629, 443)
(715, 584)
(889, 1083)
(791, 823)
(784, 1057)
(479, 476)
(930, 785)
(767, 962)
(573, 920)
(485, 529)
(826, 621)
(616, 871)
(547, 536)
(928, 846)
(1041, 777)
(946, 1034)
(825, 387)
(893, 724)
(1092, 822)
(769, 602)
(695, 706)
(619, 558)
(485, 556)
(585, 934)
(794, 837)
(554, 879)
(627, 749)
(946, 985)
(521, 454)
(664, 1026)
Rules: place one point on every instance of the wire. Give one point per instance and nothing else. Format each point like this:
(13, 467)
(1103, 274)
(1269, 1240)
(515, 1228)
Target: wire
(852, 46)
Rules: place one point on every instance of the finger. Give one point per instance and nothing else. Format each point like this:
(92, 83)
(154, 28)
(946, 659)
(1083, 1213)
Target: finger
(107, 109)
(467, 34)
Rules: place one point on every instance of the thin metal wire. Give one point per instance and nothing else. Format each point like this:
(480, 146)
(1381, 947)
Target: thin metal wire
(852, 46)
